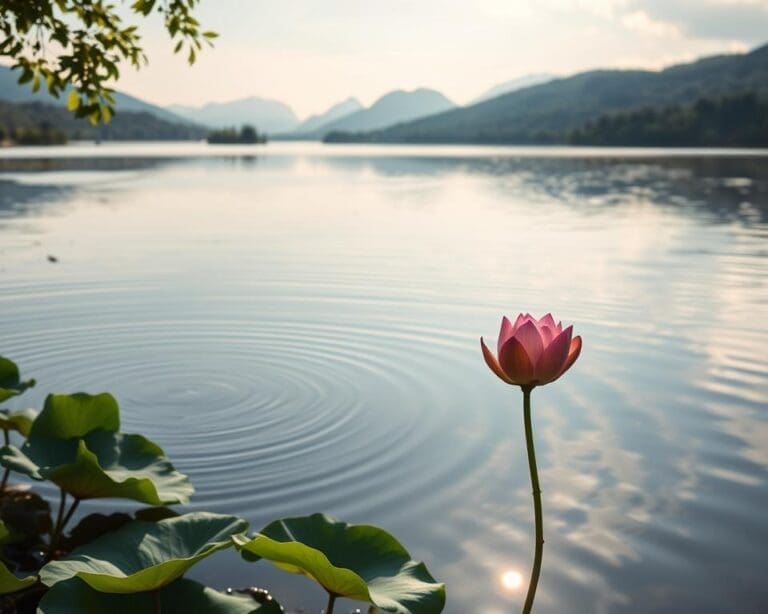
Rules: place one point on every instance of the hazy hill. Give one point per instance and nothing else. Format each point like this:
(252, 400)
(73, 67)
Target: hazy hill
(513, 85)
(265, 114)
(546, 113)
(11, 91)
(26, 117)
(337, 111)
(390, 109)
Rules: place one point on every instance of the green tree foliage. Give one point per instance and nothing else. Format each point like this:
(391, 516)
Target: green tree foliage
(246, 135)
(732, 121)
(81, 43)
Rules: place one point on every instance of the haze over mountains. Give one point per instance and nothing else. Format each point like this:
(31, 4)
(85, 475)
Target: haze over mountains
(11, 91)
(266, 114)
(392, 108)
(533, 109)
(551, 112)
(337, 111)
(512, 85)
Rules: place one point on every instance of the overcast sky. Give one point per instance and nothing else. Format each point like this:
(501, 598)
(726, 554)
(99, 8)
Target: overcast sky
(311, 54)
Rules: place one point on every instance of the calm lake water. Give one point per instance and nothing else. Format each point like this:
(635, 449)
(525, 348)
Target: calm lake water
(298, 326)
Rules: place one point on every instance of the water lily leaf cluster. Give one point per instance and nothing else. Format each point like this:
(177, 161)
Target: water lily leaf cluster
(137, 562)
(76, 444)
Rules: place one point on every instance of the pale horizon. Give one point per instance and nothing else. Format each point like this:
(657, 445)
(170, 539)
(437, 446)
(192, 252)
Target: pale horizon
(311, 57)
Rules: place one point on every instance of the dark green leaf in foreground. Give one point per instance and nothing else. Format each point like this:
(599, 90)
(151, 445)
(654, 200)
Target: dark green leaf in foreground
(19, 421)
(145, 556)
(10, 381)
(74, 443)
(9, 583)
(182, 597)
(359, 562)
(26, 514)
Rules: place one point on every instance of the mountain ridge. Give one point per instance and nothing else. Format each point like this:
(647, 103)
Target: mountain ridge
(13, 92)
(391, 108)
(266, 114)
(545, 113)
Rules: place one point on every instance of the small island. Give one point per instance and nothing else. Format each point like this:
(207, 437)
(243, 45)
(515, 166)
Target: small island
(246, 135)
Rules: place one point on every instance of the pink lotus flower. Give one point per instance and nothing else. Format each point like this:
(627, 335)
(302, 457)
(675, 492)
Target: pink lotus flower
(532, 352)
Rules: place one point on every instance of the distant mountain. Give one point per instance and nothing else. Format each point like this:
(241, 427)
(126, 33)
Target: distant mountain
(549, 112)
(11, 91)
(337, 111)
(21, 121)
(512, 85)
(263, 113)
(392, 108)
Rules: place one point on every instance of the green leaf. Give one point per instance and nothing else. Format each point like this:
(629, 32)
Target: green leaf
(145, 556)
(92, 527)
(19, 421)
(359, 562)
(10, 382)
(181, 597)
(73, 100)
(65, 416)
(102, 465)
(74, 443)
(9, 583)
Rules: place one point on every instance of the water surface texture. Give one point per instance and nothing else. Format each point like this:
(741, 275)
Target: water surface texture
(299, 327)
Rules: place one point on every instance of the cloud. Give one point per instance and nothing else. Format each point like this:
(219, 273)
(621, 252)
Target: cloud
(732, 20)
(639, 21)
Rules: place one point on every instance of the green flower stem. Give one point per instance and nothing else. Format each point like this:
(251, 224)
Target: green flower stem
(68, 517)
(56, 527)
(539, 551)
(61, 521)
(331, 602)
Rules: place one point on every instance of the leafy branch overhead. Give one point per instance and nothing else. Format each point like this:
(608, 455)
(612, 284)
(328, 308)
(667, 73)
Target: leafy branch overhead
(76, 47)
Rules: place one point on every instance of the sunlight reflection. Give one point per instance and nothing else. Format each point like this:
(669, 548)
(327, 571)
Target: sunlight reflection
(511, 580)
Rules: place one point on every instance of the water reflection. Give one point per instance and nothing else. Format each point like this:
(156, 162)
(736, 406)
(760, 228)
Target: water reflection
(300, 332)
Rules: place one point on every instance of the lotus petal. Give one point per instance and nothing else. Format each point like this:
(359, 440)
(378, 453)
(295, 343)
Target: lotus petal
(515, 362)
(505, 333)
(528, 335)
(493, 363)
(553, 357)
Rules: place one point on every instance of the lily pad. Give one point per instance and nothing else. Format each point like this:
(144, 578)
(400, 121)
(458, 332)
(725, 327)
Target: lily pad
(11, 384)
(75, 444)
(145, 556)
(181, 597)
(9, 583)
(360, 562)
(19, 421)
